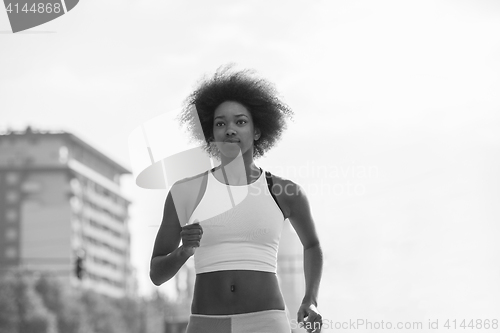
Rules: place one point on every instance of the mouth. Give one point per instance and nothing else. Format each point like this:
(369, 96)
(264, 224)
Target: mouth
(231, 141)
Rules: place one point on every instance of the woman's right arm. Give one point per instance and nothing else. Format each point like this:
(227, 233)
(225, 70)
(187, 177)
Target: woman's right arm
(168, 257)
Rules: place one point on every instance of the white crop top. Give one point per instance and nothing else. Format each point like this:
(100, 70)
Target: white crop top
(241, 227)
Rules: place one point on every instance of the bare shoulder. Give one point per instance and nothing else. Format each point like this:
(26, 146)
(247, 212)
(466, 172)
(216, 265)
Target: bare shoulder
(293, 200)
(187, 193)
(287, 187)
(190, 181)
(288, 193)
(191, 184)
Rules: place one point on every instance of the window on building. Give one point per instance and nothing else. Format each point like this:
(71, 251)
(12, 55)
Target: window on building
(29, 160)
(11, 234)
(31, 187)
(12, 178)
(75, 185)
(11, 215)
(63, 154)
(10, 252)
(75, 203)
(12, 196)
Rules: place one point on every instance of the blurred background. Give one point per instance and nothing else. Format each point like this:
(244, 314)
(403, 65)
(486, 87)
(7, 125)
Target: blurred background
(396, 141)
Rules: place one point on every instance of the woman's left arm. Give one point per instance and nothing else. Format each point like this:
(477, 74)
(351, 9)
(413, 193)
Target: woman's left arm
(302, 221)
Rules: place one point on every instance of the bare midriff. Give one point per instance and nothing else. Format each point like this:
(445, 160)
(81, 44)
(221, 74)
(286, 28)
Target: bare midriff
(236, 291)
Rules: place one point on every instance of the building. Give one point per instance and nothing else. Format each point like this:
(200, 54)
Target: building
(61, 204)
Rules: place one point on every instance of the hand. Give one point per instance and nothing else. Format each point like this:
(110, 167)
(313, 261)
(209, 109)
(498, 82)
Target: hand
(191, 237)
(310, 318)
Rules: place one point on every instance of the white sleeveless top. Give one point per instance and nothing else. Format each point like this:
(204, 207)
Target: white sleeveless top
(241, 227)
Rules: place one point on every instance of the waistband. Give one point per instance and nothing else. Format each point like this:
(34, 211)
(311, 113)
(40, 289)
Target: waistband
(268, 321)
(243, 315)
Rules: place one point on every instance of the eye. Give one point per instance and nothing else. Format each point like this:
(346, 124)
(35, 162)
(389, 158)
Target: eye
(242, 121)
(219, 123)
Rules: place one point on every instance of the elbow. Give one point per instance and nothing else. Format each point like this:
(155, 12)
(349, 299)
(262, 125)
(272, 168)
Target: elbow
(313, 245)
(161, 270)
(158, 277)
(154, 278)
(314, 250)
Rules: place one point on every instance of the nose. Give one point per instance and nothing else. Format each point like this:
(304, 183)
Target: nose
(230, 132)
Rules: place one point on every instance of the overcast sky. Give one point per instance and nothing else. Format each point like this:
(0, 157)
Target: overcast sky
(397, 100)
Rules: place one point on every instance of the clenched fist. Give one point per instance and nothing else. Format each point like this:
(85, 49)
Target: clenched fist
(191, 237)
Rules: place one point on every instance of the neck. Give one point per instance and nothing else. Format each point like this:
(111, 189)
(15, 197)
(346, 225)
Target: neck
(239, 170)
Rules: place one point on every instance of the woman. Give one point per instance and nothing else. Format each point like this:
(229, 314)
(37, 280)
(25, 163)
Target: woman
(230, 218)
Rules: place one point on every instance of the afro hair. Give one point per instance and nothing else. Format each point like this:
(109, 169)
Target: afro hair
(259, 96)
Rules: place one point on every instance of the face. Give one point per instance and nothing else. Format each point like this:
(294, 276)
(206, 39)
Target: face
(234, 129)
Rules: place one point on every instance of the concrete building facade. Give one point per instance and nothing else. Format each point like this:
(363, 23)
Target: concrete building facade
(60, 198)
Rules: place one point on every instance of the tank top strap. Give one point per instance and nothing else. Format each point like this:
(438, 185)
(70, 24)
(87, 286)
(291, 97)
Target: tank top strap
(269, 180)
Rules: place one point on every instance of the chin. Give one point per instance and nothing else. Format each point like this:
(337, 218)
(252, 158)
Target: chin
(233, 153)
(228, 151)
(230, 154)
